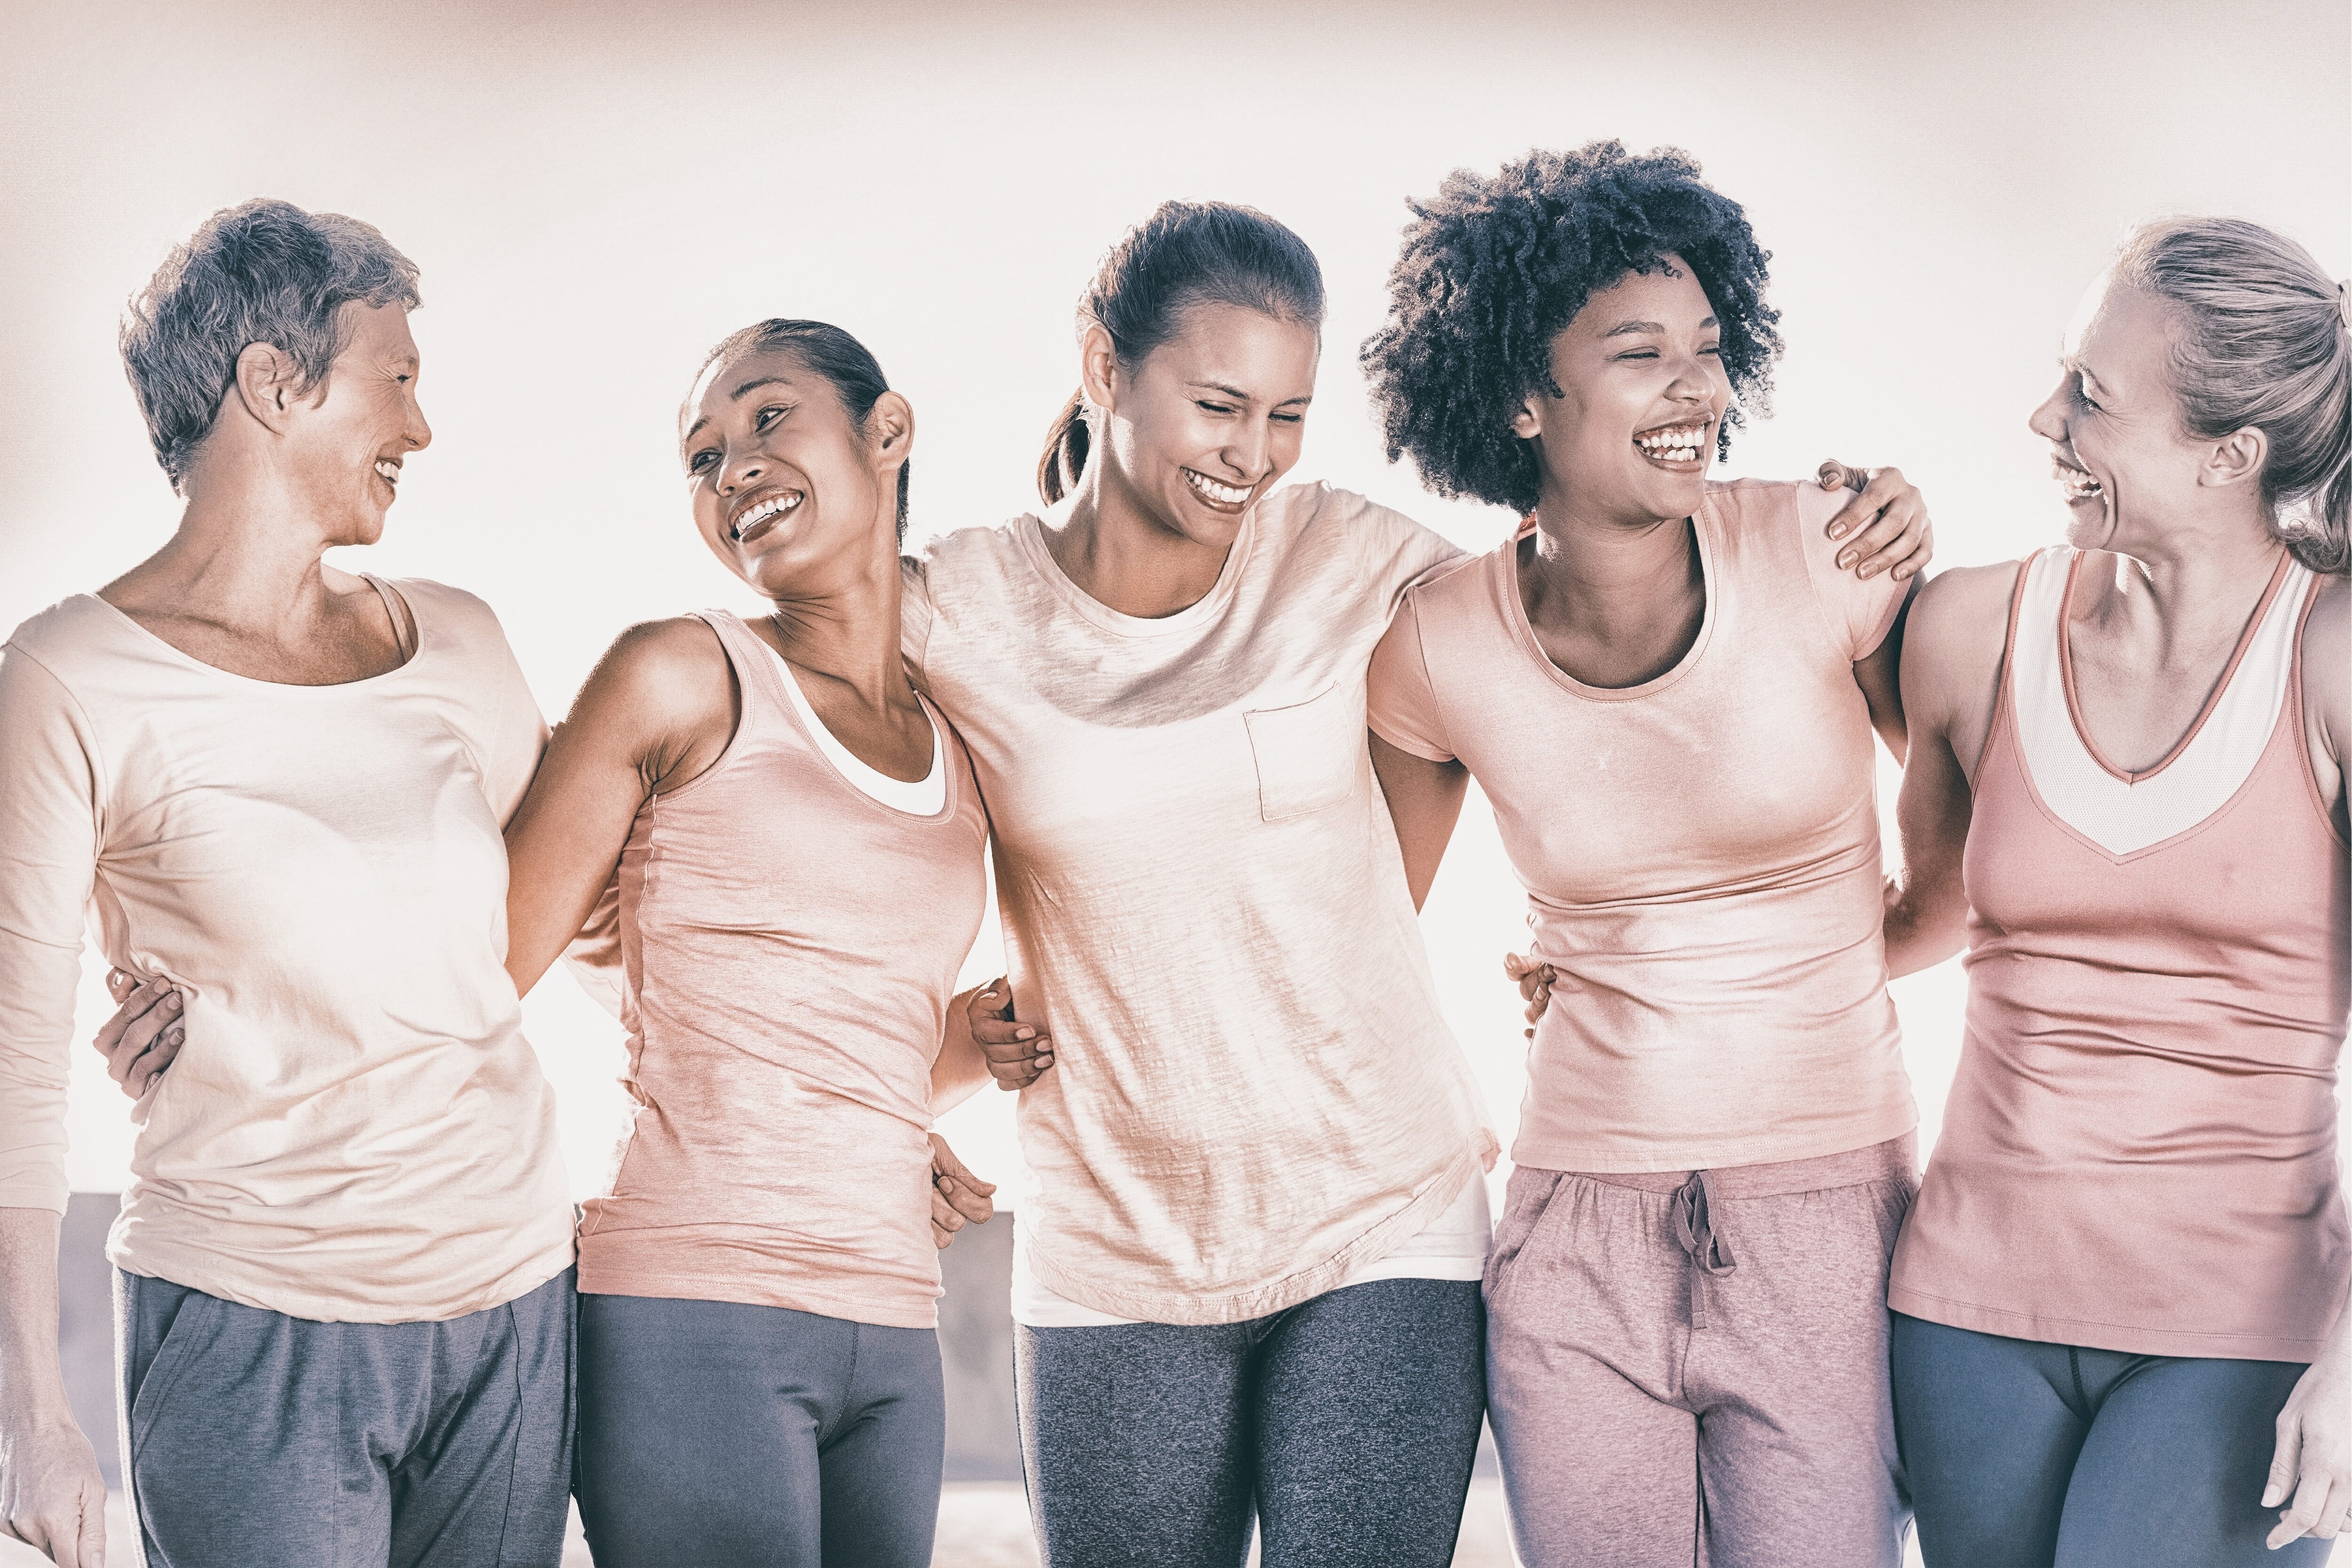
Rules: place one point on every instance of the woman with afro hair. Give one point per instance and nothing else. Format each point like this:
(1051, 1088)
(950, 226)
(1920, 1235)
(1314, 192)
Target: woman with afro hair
(1667, 688)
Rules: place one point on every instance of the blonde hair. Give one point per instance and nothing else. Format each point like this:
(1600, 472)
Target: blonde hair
(2264, 344)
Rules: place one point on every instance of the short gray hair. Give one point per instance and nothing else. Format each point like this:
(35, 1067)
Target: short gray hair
(261, 272)
(2263, 343)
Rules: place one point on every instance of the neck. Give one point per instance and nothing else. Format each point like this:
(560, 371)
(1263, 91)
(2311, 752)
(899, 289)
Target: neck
(2190, 585)
(1120, 555)
(1610, 575)
(246, 557)
(847, 629)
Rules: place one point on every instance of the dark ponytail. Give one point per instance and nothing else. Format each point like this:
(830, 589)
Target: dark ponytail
(1185, 254)
(827, 351)
(1068, 441)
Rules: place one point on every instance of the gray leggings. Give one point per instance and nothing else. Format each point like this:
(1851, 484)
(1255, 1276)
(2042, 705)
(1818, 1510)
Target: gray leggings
(2023, 1454)
(711, 1432)
(1346, 1424)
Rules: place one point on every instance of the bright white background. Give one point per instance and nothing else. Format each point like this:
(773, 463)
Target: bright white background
(597, 194)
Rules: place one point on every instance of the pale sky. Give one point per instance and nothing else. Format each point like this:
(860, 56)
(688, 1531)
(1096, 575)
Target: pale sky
(597, 194)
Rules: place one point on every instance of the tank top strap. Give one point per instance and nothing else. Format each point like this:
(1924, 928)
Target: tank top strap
(2004, 700)
(762, 719)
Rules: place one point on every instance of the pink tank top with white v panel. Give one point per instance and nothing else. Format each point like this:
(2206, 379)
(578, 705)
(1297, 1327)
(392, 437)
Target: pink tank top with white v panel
(2139, 1151)
(790, 943)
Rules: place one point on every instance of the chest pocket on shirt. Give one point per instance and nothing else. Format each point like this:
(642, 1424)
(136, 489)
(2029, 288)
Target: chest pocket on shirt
(1307, 754)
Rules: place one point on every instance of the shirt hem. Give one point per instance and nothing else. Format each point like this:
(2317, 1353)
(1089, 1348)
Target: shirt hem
(674, 1286)
(195, 1271)
(1614, 1159)
(1199, 1308)
(2123, 1338)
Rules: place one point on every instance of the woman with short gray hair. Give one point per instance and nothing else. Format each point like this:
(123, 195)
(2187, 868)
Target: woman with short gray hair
(2120, 1338)
(345, 1296)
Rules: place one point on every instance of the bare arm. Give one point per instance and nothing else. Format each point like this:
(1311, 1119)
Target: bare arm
(1424, 802)
(1880, 678)
(1950, 673)
(656, 712)
(51, 1492)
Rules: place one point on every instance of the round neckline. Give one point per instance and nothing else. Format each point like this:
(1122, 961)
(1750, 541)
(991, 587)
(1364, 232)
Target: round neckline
(1523, 633)
(1029, 531)
(376, 584)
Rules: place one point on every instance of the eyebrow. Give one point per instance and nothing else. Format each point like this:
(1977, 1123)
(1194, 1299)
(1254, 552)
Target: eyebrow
(737, 395)
(2073, 366)
(1238, 395)
(1627, 329)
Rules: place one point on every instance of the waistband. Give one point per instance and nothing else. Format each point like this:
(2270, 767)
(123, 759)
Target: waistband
(1897, 1157)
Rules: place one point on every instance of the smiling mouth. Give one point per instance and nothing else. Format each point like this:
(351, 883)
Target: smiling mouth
(1681, 447)
(763, 515)
(2077, 483)
(388, 471)
(1223, 497)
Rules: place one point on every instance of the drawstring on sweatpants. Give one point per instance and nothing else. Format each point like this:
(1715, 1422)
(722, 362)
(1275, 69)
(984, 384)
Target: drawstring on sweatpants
(1695, 1228)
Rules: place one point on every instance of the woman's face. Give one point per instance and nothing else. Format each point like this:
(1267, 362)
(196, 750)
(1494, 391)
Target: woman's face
(1210, 420)
(2117, 447)
(361, 424)
(786, 487)
(1643, 391)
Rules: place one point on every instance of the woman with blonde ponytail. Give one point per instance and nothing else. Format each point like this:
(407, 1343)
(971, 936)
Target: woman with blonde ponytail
(2120, 1334)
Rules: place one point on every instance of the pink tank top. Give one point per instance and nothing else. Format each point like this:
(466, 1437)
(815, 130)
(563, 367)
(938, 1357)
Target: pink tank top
(2139, 1152)
(789, 948)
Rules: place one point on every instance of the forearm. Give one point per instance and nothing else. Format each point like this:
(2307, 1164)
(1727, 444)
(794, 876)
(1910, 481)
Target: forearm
(1923, 926)
(960, 1070)
(1424, 800)
(32, 1381)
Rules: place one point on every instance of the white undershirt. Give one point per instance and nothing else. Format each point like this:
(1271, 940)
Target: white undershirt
(1451, 1247)
(926, 797)
(2123, 816)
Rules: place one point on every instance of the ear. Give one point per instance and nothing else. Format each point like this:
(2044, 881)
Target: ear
(2236, 459)
(1098, 366)
(890, 426)
(1527, 423)
(266, 383)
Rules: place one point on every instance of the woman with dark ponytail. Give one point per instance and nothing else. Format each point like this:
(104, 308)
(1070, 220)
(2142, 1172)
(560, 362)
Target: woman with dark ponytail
(1247, 1275)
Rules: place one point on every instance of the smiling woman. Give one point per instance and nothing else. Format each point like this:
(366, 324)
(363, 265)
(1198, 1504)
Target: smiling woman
(281, 786)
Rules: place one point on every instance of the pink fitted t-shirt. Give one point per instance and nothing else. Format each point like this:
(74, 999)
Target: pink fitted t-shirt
(789, 947)
(1700, 852)
(2139, 1152)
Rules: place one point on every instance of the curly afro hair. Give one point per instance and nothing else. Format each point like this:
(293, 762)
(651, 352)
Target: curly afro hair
(1493, 270)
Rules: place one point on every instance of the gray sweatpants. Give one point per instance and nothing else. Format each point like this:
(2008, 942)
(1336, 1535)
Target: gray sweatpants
(255, 1440)
(1691, 1367)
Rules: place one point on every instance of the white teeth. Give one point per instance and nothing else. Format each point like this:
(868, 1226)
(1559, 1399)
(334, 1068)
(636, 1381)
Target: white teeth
(2078, 485)
(389, 469)
(1224, 495)
(766, 509)
(1682, 446)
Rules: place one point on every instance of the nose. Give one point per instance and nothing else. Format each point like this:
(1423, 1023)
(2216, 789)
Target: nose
(739, 472)
(2049, 421)
(1246, 454)
(1691, 383)
(418, 433)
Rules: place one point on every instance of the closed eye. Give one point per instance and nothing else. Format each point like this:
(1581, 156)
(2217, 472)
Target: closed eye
(1216, 407)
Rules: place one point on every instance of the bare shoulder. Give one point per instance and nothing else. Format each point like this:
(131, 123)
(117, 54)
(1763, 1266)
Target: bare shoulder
(1959, 622)
(661, 678)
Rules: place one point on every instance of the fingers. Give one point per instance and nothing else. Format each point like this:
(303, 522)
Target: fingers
(945, 1221)
(1886, 524)
(2286, 1456)
(148, 1019)
(92, 1545)
(121, 983)
(1836, 476)
(2303, 1519)
(945, 1165)
(1017, 1054)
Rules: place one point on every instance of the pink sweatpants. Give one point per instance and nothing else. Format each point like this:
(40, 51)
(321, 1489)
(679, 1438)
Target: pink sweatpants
(1691, 1367)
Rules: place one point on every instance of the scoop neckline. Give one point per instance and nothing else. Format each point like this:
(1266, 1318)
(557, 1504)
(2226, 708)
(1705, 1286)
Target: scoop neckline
(1524, 633)
(1030, 532)
(379, 585)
